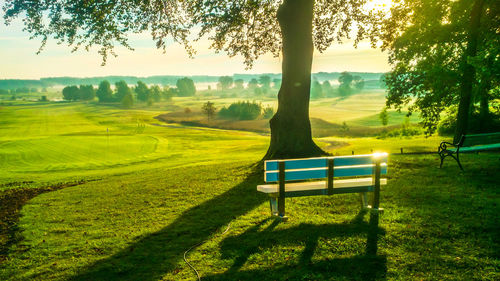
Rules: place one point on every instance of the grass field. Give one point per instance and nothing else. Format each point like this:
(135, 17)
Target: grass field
(359, 112)
(140, 193)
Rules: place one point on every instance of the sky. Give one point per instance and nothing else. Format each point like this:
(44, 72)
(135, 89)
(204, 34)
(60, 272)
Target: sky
(18, 59)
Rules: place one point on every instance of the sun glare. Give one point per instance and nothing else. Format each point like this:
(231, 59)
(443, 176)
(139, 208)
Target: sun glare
(380, 4)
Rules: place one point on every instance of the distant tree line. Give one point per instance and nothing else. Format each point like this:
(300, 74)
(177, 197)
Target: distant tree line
(75, 93)
(22, 90)
(128, 95)
(264, 85)
(261, 86)
(348, 84)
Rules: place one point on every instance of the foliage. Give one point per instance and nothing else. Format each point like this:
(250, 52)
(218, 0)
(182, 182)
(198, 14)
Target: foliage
(267, 112)
(238, 84)
(317, 90)
(257, 92)
(406, 130)
(384, 117)
(242, 110)
(187, 110)
(225, 82)
(276, 83)
(122, 90)
(345, 79)
(104, 92)
(209, 109)
(431, 48)
(345, 127)
(448, 124)
(253, 83)
(156, 93)
(71, 93)
(87, 92)
(185, 87)
(265, 81)
(246, 28)
(128, 101)
(328, 89)
(358, 82)
(44, 98)
(142, 91)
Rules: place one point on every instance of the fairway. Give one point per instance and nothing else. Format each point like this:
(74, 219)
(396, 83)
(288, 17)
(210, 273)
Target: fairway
(59, 141)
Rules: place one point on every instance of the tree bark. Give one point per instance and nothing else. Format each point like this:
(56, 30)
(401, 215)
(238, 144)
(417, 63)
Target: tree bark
(469, 72)
(290, 127)
(484, 111)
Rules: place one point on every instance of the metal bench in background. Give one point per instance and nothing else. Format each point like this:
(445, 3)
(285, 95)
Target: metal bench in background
(468, 143)
(339, 174)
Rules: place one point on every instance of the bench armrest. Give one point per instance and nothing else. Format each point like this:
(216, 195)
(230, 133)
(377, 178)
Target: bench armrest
(444, 146)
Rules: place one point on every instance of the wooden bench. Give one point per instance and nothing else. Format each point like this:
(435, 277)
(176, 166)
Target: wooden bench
(340, 174)
(468, 143)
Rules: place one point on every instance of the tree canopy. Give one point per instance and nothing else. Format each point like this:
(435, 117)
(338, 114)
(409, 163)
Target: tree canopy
(142, 91)
(122, 90)
(443, 53)
(104, 92)
(71, 93)
(186, 87)
(248, 28)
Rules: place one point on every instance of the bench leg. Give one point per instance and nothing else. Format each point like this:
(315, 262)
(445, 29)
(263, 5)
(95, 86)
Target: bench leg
(364, 200)
(274, 206)
(458, 161)
(281, 208)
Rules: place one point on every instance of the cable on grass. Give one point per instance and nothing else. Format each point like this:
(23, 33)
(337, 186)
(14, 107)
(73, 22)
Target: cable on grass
(196, 245)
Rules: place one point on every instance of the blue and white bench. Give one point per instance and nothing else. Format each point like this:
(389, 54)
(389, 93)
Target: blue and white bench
(340, 174)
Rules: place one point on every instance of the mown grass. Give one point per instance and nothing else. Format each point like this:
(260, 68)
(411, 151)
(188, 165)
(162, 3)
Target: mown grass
(148, 204)
(438, 224)
(66, 142)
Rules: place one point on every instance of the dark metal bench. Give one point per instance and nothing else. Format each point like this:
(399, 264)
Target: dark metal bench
(468, 143)
(340, 174)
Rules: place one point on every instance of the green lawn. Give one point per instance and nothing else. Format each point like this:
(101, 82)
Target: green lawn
(154, 192)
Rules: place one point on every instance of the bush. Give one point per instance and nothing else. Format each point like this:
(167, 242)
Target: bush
(128, 101)
(448, 124)
(406, 130)
(268, 112)
(241, 111)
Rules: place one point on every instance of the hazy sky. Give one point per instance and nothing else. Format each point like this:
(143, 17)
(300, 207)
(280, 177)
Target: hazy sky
(18, 59)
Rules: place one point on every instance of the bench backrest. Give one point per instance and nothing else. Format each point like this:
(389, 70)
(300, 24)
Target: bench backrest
(478, 139)
(317, 168)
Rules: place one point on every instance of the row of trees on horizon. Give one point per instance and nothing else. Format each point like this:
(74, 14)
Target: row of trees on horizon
(185, 87)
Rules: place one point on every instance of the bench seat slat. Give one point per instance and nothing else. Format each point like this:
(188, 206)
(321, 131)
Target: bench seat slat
(314, 192)
(272, 165)
(479, 147)
(319, 185)
(343, 171)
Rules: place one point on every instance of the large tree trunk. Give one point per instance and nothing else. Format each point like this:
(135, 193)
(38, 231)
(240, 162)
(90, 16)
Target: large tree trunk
(290, 126)
(484, 111)
(469, 72)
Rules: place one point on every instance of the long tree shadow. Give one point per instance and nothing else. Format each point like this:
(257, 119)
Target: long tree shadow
(154, 255)
(368, 266)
